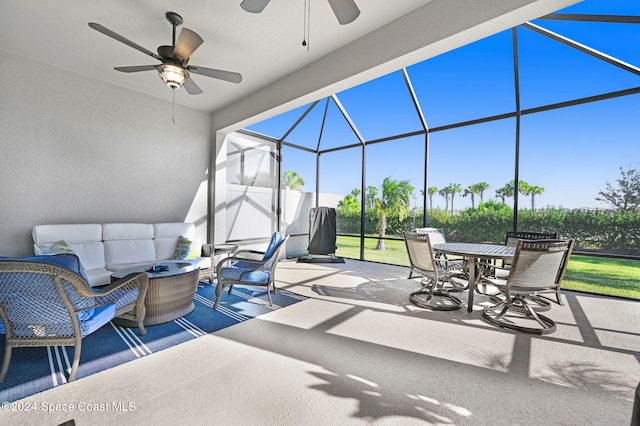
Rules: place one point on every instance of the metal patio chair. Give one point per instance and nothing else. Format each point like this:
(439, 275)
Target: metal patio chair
(538, 267)
(435, 272)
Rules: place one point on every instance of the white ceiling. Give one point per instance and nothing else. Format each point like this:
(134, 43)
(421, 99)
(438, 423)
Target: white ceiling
(262, 47)
(265, 48)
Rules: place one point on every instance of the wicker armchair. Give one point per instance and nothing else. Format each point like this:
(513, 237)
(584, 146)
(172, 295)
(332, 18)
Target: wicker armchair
(538, 267)
(45, 304)
(436, 273)
(250, 267)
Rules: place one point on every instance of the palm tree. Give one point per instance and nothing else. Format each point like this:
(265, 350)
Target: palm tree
(395, 200)
(372, 192)
(533, 191)
(506, 191)
(444, 192)
(468, 192)
(473, 190)
(479, 189)
(454, 188)
(524, 188)
(292, 180)
(431, 190)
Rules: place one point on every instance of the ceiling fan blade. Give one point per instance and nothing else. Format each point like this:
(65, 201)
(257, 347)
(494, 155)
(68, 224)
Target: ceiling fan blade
(187, 43)
(345, 10)
(106, 31)
(137, 68)
(254, 6)
(233, 77)
(191, 87)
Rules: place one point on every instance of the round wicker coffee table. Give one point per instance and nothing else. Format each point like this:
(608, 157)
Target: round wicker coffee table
(172, 287)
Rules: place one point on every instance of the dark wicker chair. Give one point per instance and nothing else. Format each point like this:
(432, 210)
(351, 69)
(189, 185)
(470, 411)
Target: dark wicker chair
(538, 267)
(250, 267)
(45, 304)
(435, 271)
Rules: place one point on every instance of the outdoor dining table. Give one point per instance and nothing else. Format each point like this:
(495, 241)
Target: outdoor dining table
(473, 252)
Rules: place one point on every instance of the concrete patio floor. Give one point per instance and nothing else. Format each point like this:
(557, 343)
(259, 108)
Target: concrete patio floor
(358, 352)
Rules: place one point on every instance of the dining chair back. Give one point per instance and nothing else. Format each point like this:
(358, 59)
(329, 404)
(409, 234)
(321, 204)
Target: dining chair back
(512, 237)
(436, 272)
(538, 267)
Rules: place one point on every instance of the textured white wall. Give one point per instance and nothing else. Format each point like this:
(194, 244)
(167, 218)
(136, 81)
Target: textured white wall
(77, 150)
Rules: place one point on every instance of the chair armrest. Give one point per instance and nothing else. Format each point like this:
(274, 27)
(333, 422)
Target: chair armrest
(116, 292)
(207, 250)
(136, 280)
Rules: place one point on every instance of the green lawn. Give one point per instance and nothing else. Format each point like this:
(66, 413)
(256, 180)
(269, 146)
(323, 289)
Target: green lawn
(614, 277)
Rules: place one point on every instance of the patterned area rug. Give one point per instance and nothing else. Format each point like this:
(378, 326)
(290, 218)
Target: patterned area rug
(34, 370)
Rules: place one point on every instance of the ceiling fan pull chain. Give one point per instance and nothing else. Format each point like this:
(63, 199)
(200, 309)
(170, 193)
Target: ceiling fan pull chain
(304, 24)
(309, 25)
(173, 106)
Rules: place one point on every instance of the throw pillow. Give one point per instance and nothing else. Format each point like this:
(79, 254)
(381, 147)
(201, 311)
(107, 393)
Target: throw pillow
(61, 247)
(187, 249)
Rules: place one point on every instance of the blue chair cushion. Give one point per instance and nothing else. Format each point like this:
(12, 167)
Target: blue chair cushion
(69, 261)
(99, 317)
(255, 277)
(249, 276)
(276, 240)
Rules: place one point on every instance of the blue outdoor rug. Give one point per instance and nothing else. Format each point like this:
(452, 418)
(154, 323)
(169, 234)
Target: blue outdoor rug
(34, 370)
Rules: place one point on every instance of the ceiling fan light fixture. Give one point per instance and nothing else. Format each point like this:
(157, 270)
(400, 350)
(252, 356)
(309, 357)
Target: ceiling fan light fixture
(173, 75)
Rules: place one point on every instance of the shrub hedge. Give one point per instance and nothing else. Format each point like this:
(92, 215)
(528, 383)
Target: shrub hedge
(602, 231)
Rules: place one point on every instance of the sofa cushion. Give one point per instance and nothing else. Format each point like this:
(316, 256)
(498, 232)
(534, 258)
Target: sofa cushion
(73, 233)
(166, 237)
(84, 239)
(126, 243)
(98, 276)
(127, 231)
(122, 252)
(91, 254)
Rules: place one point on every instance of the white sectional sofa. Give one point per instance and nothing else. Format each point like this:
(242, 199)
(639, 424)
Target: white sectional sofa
(105, 248)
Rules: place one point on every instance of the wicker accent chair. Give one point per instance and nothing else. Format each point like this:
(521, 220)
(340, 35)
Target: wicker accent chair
(538, 267)
(250, 267)
(45, 304)
(435, 272)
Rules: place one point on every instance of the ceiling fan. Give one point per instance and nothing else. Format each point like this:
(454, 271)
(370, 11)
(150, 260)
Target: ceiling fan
(345, 10)
(174, 69)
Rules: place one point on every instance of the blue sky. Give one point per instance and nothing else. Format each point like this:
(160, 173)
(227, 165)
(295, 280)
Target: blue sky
(571, 152)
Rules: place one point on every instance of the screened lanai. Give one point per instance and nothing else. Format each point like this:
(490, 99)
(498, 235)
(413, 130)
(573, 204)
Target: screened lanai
(549, 107)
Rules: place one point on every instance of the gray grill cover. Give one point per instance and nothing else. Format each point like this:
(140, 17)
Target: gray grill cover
(322, 230)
